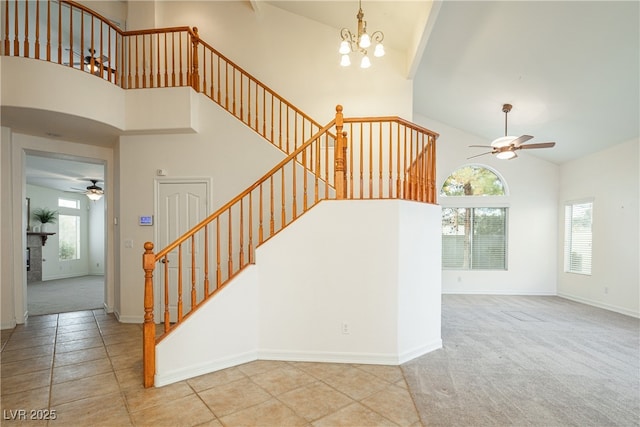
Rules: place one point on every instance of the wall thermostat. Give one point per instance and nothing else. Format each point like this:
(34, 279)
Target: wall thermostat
(145, 220)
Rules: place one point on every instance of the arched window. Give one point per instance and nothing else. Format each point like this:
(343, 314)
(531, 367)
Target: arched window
(473, 180)
(474, 229)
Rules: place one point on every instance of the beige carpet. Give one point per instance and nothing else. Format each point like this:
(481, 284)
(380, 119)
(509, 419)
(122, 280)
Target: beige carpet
(64, 295)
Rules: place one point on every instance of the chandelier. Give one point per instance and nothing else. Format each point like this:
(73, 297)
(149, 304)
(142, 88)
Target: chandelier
(360, 42)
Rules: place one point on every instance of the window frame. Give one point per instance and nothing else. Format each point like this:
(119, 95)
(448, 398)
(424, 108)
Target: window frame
(567, 244)
(483, 201)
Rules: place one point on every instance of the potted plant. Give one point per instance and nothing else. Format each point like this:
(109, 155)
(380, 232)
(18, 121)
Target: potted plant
(44, 216)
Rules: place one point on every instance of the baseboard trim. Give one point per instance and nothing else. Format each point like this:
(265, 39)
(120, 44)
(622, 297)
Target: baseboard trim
(420, 351)
(599, 304)
(128, 319)
(171, 377)
(8, 325)
(508, 292)
(329, 357)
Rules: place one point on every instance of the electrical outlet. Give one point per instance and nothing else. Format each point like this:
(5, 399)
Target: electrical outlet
(345, 328)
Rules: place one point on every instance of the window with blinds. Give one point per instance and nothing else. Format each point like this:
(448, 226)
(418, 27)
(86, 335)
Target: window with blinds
(474, 238)
(578, 237)
(474, 220)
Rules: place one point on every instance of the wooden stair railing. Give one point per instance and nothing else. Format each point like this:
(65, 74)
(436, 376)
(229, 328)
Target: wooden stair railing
(70, 34)
(386, 158)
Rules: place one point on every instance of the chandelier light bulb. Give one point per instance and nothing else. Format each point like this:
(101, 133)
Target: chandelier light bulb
(365, 41)
(379, 51)
(345, 47)
(365, 63)
(345, 61)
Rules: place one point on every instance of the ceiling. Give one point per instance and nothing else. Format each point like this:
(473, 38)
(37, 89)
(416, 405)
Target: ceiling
(570, 68)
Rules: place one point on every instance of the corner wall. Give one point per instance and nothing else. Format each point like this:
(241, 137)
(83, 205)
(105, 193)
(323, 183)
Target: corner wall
(611, 178)
(349, 282)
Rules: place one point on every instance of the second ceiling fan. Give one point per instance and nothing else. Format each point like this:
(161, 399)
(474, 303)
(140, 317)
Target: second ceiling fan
(505, 147)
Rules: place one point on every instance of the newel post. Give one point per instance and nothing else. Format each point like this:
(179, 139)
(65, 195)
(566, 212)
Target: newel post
(195, 77)
(149, 327)
(340, 153)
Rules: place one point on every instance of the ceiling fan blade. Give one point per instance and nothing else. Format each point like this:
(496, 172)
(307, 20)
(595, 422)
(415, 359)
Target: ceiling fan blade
(521, 139)
(478, 155)
(514, 155)
(538, 145)
(481, 146)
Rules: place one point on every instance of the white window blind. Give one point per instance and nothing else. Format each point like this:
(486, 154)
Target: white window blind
(578, 237)
(474, 238)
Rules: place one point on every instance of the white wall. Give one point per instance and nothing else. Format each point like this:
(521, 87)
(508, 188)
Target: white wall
(295, 56)
(533, 211)
(612, 180)
(371, 265)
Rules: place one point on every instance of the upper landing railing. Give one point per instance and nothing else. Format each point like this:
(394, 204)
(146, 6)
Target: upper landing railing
(71, 35)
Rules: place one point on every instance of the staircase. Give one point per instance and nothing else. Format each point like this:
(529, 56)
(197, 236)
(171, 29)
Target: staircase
(371, 158)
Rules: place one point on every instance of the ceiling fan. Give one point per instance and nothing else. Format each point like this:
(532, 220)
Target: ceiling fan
(87, 61)
(505, 147)
(93, 191)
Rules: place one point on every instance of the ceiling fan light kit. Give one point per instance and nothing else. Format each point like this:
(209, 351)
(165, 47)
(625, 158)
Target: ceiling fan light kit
(505, 146)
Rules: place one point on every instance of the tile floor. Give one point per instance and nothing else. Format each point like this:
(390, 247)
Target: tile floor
(84, 368)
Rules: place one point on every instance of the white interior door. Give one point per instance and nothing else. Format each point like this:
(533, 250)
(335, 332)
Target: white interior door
(181, 206)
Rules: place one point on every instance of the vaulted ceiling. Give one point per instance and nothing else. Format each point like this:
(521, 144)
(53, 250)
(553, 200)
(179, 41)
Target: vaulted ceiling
(570, 68)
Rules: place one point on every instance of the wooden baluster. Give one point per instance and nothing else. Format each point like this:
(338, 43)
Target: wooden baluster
(81, 41)
(173, 59)
(317, 172)
(251, 227)
(193, 272)
(101, 54)
(137, 55)
(287, 134)
(129, 77)
(212, 74)
(410, 167)
(180, 58)
(264, 113)
(241, 95)
(371, 160)
(59, 31)
(226, 85)
(260, 227)
(167, 314)
(230, 262)
(7, 44)
(248, 102)
(180, 311)
(326, 166)
(206, 261)
(283, 214)
(380, 185)
(351, 150)
(144, 62)
(37, 46)
(390, 160)
(339, 163)
(93, 49)
(294, 207)
(404, 166)
(218, 268)
(195, 77)
(256, 127)
(48, 30)
(149, 327)
(304, 181)
(295, 132)
(16, 43)
(271, 208)
(280, 124)
(26, 29)
(241, 235)
(398, 181)
(361, 160)
(272, 118)
(159, 75)
(204, 71)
